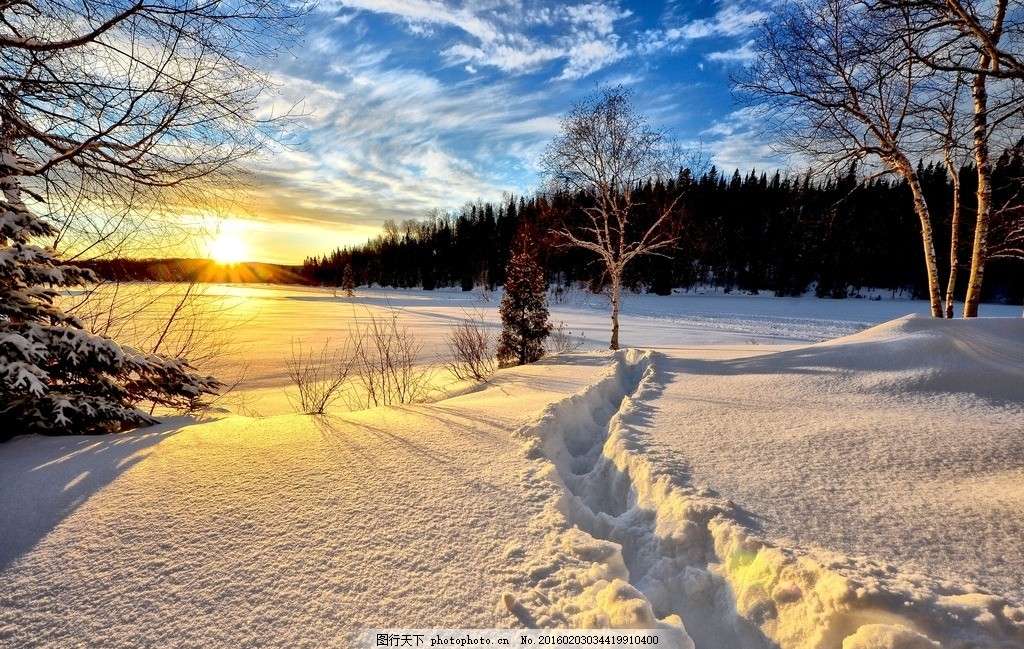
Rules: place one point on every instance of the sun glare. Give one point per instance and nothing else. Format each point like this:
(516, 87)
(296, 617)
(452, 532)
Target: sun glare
(228, 247)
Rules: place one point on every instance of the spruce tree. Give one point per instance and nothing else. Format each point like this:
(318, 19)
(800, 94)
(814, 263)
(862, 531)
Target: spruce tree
(524, 311)
(55, 376)
(348, 282)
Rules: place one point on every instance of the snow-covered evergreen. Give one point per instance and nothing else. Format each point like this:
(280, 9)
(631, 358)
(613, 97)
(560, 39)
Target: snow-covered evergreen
(348, 282)
(524, 312)
(55, 376)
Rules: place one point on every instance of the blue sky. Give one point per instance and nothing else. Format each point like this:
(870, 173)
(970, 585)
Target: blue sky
(410, 105)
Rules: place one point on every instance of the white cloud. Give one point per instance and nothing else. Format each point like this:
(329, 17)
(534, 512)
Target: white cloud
(589, 56)
(742, 54)
(582, 35)
(383, 142)
(592, 43)
(514, 54)
(739, 142)
(416, 12)
(730, 21)
(596, 17)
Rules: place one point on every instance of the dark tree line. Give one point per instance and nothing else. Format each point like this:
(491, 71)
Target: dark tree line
(192, 270)
(750, 232)
(467, 249)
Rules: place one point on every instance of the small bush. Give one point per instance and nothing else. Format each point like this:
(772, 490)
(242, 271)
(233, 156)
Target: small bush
(561, 340)
(319, 376)
(470, 346)
(384, 363)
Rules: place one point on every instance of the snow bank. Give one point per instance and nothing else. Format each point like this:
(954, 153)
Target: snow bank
(285, 531)
(634, 544)
(982, 356)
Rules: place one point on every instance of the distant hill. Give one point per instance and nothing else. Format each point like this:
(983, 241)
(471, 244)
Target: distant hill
(194, 270)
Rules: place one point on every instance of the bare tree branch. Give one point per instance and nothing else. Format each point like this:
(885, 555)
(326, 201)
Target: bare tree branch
(838, 81)
(605, 151)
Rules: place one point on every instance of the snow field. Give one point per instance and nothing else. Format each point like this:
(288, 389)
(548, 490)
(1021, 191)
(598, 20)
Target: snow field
(862, 493)
(290, 530)
(636, 546)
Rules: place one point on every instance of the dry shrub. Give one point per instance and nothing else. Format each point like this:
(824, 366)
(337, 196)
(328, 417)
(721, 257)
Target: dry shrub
(319, 376)
(470, 350)
(561, 340)
(384, 364)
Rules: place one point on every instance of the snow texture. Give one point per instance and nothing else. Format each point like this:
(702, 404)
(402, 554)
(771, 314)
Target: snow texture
(864, 492)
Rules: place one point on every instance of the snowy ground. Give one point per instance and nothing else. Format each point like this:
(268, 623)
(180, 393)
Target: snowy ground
(737, 483)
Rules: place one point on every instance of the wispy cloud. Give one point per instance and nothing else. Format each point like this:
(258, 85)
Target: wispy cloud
(592, 43)
(409, 105)
(423, 12)
(742, 54)
(496, 34)
(511, 54)
(383, 142)
(731, 20)
(738, 142)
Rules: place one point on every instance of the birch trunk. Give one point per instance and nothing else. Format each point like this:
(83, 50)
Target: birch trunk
(903, 165)
(954, 241)
(616, 286)
(979, 253)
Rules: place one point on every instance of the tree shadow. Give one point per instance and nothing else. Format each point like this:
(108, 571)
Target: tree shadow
(43, 480)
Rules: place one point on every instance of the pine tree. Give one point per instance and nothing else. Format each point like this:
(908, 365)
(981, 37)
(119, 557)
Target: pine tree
(348, 282)
(524, 312)
(55, 376)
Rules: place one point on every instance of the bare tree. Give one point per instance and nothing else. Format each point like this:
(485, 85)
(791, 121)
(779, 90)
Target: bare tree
(605, 150)
(119, 106)
(111, 108)
(984, 40)
(839, 82)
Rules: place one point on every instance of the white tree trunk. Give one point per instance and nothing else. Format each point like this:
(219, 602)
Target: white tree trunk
(954, 244)
(903, 165)
(979, 253)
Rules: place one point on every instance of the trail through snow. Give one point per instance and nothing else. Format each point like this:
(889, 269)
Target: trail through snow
(636, 542)
(862, 493)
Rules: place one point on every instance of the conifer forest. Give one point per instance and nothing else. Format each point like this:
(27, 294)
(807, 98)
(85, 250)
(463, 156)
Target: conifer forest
(760, 232)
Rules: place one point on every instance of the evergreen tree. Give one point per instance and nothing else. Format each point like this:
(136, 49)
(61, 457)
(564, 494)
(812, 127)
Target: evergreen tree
(55, 376)
(524, 312)
(348, 282)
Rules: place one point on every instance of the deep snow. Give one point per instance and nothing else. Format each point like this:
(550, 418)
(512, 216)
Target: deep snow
(740, 485)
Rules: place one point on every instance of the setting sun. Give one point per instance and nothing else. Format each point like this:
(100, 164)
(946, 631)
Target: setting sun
(228, 247)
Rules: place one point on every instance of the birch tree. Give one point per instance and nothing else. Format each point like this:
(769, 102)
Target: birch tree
(984, 40)
(605, 150)
(839, 82)
(951, 131)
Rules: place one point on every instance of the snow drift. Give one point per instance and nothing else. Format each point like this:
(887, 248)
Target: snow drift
(864, 492)
(636, 544)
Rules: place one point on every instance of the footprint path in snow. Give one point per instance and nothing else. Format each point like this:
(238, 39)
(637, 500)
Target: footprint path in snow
(630, 543)
(613, 561)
